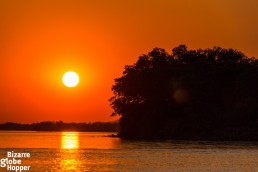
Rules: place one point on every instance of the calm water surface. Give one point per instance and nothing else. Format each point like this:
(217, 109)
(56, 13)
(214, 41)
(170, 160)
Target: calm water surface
(76, 151)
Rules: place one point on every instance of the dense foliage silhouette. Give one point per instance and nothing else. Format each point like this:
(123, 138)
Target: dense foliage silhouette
(209, 94)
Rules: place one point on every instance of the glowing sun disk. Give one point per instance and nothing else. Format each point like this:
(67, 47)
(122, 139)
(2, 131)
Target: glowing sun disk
(70, 79)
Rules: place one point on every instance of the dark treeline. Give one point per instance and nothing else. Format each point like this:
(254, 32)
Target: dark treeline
(61, 126)
(203, 94)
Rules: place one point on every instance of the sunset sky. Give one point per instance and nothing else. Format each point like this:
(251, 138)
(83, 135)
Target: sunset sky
(42, 39)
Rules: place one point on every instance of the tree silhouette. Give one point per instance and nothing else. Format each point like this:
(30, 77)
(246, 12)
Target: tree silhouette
(188, 94)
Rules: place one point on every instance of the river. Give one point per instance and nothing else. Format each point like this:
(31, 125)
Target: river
(96, 151)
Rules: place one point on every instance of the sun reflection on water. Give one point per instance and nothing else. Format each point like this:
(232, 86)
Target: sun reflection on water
(78, 151)
(70, 140)
(69, 155)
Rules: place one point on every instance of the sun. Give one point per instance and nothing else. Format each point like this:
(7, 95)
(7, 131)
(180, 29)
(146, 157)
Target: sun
(70, 79)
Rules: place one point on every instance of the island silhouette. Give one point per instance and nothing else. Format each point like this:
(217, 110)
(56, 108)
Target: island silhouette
(61, 126)
(203, 94)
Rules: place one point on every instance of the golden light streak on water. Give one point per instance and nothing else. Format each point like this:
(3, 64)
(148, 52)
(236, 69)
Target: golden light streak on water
(70, 140)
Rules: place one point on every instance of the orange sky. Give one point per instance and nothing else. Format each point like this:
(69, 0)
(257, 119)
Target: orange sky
(40, 40)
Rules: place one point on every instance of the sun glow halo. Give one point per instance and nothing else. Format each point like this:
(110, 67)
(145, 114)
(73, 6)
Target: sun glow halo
(70, 79)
